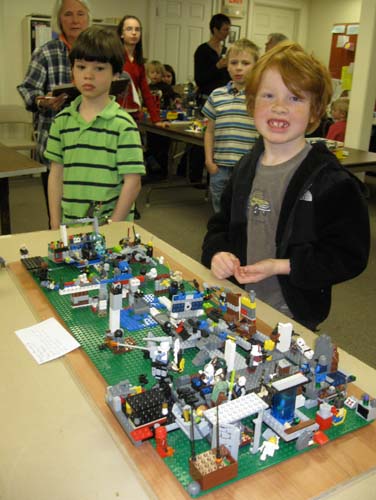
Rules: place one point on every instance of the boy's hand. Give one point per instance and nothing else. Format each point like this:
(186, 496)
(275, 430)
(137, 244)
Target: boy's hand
(211, 167)
(223, 265)
(261, 270)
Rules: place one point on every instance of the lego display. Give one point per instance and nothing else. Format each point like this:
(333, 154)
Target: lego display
(186, 366)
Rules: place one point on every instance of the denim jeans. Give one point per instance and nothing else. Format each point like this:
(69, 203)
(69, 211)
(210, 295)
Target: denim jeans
(218, 182)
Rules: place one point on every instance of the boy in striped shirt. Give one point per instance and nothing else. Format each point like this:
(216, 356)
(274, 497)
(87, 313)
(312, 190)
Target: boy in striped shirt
(94, 145)
(230, 132)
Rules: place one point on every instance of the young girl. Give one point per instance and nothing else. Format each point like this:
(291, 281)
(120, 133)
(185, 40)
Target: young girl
(169, 76)
(130, 31)
(155, 71)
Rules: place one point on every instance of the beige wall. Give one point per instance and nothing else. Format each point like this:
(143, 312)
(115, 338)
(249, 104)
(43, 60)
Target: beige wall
(317, 18)
(11, 38)
(322, 15)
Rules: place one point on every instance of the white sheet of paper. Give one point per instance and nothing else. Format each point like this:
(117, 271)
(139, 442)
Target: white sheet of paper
(47, 340)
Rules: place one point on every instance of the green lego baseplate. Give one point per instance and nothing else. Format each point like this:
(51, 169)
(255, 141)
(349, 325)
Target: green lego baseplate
(89, 329)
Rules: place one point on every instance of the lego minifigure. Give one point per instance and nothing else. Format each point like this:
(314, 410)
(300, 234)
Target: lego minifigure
(162, 447)
(268, 447)
(239, 387)
(24, 252)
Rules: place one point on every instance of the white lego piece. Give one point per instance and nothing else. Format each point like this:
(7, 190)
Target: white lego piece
(351, 402)
(285, 333)
(165, 301)
(68, 290)
(230, 350)
(289, 382)
(236, 409)
(63, 234)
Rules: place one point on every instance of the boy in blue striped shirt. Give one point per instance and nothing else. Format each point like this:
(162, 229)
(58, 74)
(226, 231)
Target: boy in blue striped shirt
(230, 132)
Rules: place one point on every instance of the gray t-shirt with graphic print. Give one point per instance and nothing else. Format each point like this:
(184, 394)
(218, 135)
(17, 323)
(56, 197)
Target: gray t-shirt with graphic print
(264, 207)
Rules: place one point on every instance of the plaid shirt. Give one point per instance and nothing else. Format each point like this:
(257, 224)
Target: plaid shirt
(49, 67)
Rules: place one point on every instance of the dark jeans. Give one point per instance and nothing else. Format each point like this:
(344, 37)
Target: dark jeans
(157, 150)
(195, 155)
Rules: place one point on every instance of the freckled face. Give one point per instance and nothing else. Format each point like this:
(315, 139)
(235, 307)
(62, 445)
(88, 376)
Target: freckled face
(281, 117)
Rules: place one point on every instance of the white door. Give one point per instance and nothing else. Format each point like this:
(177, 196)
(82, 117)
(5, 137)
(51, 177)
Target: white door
(177, 28)
(267, 19)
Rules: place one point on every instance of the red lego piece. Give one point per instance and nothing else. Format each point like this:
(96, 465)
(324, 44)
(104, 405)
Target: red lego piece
(162, 447)
(142, 434)
(324, 423)
(320, 438)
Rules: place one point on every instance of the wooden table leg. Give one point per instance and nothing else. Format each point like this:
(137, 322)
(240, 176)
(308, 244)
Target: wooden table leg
(4, 206)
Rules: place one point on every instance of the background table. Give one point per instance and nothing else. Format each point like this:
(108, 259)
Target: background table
(13, 164)
(356, 161)
(60, 440)
(177, 131)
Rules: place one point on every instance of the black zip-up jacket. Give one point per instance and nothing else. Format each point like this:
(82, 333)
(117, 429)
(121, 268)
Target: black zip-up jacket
(323, 228)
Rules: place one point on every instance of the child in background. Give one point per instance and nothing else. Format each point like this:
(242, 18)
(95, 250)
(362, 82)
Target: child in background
(230, 131)
(339, 110)
(94, 146)
(155, 71)
(158, 146)
(293, 222)
(169, 76)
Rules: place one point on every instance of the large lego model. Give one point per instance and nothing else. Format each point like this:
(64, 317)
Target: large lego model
(186, 366)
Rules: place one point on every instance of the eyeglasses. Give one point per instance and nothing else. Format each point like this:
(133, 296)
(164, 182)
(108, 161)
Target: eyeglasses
(128, 29)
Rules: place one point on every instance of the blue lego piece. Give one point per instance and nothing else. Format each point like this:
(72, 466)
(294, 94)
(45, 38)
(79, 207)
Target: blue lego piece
(177, 307)
(283, 406)
(119, 277)
(203, 324)
(123, 266)
(133, 322)
(208, 389)
(339, 378)
(222, 335)
(196, 383)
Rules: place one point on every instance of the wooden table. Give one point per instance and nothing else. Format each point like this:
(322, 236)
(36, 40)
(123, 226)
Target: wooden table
(356, 161)
(177, 131)
(13, 164)
(60, 440)
(359, 161)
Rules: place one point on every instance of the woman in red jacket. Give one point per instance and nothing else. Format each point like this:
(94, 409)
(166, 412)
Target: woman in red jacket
(130, 31)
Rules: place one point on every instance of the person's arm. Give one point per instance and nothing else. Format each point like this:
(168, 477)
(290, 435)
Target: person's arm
(55, 194)
(34, 84)
(216, 239)
(33, 89)
(129, 192)
(340, 249)
(209, 147)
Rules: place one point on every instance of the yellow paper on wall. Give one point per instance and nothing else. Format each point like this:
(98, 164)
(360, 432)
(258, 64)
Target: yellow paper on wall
(346, 78)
